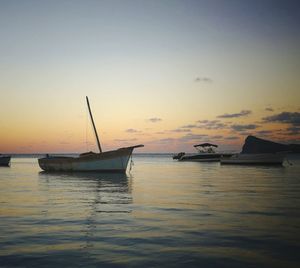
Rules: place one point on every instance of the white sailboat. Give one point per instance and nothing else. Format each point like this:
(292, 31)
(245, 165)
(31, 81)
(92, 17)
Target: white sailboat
(109, 161)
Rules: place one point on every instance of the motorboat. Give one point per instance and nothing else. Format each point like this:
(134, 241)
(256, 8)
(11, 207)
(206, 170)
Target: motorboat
(109, 161)
(258, 151)
(206, 153)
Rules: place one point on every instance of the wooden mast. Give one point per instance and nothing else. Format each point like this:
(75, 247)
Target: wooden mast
(88, 104)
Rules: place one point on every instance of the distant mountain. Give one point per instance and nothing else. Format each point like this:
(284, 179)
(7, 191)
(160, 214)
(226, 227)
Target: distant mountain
(254, 145)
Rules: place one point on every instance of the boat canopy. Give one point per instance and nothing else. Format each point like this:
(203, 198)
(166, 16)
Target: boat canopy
(206, 145)
(254, 145)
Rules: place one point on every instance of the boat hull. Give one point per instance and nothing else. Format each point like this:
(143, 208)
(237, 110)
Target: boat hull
(111, 161)
(5, 160)
(254, 159)
(204, 157)
(201, 158)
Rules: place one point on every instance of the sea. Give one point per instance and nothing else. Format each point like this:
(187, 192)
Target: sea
(161, 213)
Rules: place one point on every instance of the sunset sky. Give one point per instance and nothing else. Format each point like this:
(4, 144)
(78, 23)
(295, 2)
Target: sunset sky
(166, 74)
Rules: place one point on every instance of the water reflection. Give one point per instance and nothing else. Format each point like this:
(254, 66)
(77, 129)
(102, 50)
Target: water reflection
(101, 189)
(86, 200)
(89, 176)
(190, 213)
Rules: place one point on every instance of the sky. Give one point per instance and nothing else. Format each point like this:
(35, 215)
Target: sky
(166, 74)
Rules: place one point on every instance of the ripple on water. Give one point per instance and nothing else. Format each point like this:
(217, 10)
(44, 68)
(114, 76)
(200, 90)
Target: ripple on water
(163, 214)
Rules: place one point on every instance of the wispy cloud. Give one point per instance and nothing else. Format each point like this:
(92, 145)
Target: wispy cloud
(203, 79)
(243, 127)
(269, 109)
(154, 119)
(295, 130)
(217, 137)
(205, 124)
(264, 132)
(232, 138)
(189, 126)
(235, 115)
(125, 140)
(207, 121)
(292, 118)
(181, 130)
(190, 137)
(211, 124)
(132, 130)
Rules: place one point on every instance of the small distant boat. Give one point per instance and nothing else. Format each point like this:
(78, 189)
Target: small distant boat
(110, 161)
(258, 151)
(206, 153)
(4, 160)
(255, 159)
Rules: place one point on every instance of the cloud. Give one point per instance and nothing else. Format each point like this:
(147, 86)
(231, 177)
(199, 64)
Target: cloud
(269, 109)
(246, 133)
(125, 140)
(240, 114)
(295, 130)
(244, 127)
(205, 124)
(132, 130)
(217, 137)
(204, 121)
(190, 137)
(203, 79)
(189, 126)
(181, 130)
(232, 138)
(154, 119)
(211, 124)
(284, 117)
(264, 132)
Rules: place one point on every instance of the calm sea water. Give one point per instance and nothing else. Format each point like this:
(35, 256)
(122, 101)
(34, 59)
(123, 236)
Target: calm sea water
(161, 214)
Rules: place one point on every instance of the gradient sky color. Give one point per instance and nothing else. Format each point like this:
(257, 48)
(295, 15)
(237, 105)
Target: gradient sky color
(168, 74)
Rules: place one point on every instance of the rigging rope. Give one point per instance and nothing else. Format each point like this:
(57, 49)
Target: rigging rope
(131, 163)
(86, 129)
